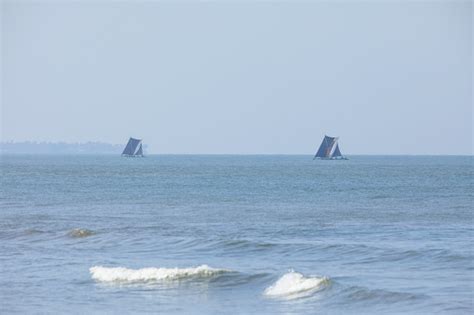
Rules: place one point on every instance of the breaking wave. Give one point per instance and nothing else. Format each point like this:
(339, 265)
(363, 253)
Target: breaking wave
(121, 274)
(79, 233)
(295, 285)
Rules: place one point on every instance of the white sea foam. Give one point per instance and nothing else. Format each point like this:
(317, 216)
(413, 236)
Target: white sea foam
(79, 233)
(294, 285)
(121, 274)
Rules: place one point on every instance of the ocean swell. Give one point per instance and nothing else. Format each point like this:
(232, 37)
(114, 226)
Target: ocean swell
(121, 274)
(294, 285)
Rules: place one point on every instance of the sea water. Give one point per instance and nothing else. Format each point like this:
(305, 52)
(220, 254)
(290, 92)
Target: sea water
(202, 234)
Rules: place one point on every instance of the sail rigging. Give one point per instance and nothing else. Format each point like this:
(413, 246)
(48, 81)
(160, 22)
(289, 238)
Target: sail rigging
(329, 149)
(133, 148)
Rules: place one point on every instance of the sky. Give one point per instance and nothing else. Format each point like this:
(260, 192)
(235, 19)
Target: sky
(235, 77)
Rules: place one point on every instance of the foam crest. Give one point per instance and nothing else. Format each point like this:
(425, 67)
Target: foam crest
(121, 274)
(79, 233)
(294, 285)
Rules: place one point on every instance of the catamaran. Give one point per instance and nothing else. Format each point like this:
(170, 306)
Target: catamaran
(329, 150)
(133, 148)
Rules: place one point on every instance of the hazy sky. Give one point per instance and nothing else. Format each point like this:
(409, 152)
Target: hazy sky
(241, 77)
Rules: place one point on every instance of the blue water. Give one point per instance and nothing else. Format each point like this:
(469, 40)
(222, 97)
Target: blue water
(279, 234)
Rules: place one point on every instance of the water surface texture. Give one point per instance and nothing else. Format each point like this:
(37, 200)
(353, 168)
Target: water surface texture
(236, 235)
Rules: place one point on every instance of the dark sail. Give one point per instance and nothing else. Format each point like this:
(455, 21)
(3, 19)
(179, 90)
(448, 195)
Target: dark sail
(140, 150)
(325, 148)
(131, 147)
(337, 152)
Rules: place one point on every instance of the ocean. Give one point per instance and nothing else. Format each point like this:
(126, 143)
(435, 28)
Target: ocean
(236, 234)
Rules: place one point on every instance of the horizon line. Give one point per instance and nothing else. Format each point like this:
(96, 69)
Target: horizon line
(91, 152)
(238, 154)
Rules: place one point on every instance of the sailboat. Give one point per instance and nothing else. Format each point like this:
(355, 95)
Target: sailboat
(133, 148)
(329, 150)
